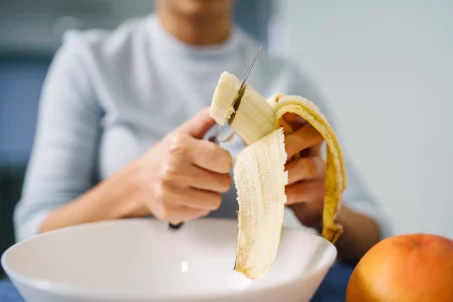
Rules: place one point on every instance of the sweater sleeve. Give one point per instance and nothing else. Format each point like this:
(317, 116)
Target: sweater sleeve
(356, 196)
(63, 160)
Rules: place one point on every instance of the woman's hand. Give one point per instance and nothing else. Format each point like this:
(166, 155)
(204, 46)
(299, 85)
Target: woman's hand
(183, 176)
(305, 190)
(180, 178)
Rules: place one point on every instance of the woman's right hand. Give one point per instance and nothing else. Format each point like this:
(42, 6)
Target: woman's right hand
(183, 176)
(179, 179)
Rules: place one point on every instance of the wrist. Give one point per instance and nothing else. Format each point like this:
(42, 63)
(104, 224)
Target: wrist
(122, 193)
(114, 198)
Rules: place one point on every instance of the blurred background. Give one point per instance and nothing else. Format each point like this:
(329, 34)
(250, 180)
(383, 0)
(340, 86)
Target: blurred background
(384, 67)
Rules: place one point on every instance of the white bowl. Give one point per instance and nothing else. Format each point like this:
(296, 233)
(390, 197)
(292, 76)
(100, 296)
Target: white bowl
(140, 260)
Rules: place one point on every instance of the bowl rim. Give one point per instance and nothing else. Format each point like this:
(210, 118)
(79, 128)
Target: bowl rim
(71, 291)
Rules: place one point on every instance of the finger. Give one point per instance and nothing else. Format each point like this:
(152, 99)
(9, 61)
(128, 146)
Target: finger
(177, 213)
(306, 192)
(315, 150)
(200, 178)
(305, 168)
(201, 199)
(305, 137)
(210, 156)
(312, 151)
(295, 121)
(198, 126)
(195, 198)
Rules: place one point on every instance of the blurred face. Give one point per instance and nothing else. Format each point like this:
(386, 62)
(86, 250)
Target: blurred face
(198, 7)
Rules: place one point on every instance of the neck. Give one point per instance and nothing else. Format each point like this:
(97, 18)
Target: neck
(203, 30)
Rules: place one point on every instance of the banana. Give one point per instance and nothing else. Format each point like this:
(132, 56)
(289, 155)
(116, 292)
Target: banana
(253, 121)
(260, 179)
(259, 169)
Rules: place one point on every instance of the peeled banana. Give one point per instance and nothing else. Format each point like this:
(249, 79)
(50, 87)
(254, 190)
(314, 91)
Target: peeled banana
(254, 120)
(260, 179)
(259, 169)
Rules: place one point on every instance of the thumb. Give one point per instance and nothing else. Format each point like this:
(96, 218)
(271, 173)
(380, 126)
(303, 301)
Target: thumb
(198, 125)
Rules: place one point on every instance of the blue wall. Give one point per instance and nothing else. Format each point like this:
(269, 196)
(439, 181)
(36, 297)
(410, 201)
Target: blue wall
(20, 86)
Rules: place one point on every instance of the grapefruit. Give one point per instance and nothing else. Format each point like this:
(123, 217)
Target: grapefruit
(405, 268)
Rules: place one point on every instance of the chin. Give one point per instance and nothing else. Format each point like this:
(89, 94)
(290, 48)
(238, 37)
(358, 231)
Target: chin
(201, 7)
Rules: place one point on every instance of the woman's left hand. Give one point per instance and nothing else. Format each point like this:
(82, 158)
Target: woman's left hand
(305, 190)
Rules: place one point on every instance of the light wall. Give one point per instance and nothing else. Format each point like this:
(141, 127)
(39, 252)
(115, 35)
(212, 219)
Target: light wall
(386, 70)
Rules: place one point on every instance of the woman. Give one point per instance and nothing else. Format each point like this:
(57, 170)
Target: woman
(122, 120)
